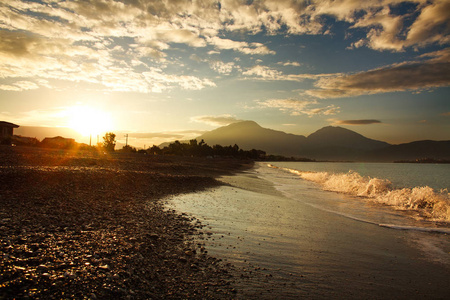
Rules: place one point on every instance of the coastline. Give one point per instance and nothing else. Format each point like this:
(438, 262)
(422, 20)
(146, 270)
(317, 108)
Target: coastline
(78, 224)
(290, 249)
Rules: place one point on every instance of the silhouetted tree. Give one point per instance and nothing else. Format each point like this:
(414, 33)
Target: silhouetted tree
(109, 141)
(128, 149)
(155, 150)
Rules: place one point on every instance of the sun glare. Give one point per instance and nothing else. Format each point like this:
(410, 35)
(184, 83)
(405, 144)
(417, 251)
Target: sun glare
(89, 121)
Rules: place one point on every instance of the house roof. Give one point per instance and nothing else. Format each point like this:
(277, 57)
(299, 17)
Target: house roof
(7, 124)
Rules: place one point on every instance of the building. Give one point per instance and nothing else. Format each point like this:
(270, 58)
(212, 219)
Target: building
(7, 132)
(58, 142)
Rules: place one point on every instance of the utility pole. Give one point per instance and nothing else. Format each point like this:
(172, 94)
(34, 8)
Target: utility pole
(126, 143)
(90, 140)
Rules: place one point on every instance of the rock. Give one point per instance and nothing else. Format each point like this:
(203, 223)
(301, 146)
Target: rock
(104, 267)
(42, 268)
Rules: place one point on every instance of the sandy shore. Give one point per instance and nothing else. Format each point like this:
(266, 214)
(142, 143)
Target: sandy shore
(292, 249)
(83, 225)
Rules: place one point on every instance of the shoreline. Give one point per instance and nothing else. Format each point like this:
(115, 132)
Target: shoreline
(290, 249)
(77, 224)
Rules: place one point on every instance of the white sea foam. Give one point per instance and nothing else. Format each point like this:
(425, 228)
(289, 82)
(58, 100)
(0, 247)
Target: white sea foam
(432, 204)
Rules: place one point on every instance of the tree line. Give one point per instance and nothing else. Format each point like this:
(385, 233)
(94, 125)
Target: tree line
(202, 149)
(191, 148)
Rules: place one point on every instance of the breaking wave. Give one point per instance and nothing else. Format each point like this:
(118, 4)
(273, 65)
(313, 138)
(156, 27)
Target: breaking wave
(431, 204)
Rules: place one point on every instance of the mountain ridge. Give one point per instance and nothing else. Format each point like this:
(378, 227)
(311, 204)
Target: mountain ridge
(327, 143)
(243, 134)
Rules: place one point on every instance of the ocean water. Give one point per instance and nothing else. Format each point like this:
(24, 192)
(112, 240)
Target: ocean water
(407, 194)
(326, 230)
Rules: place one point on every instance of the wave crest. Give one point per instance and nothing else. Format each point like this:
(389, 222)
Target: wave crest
(431, 204)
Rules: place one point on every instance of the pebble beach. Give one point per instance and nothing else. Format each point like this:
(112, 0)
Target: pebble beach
(90, 225)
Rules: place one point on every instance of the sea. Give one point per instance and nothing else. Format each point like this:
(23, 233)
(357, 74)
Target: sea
(330, 229)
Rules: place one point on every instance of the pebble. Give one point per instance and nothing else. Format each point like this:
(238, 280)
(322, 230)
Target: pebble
(58, 242)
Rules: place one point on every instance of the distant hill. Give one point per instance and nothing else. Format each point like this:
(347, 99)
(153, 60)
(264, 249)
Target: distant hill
(328, 143)
(412, 151)
(43, 132)
(249, 135)
(337, 143)
(340, 137)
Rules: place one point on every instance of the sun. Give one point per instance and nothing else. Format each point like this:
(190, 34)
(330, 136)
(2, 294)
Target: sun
(89, 121)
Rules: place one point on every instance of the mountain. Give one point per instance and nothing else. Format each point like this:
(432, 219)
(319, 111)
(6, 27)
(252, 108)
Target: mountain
(337, 143)
(340, 137)
(249, 135)
(328, 143)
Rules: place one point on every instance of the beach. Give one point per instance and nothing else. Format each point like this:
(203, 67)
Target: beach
(91, 225)
(94, 225)
(297, 241)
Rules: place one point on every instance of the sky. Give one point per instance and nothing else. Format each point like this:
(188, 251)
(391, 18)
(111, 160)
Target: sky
(170, 70)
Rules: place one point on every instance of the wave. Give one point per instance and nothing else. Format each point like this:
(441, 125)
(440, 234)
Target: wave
(415, 228)
(431, 204)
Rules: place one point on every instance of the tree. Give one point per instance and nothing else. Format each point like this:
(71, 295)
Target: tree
(128, 149)
(155, 150)
(109, 141)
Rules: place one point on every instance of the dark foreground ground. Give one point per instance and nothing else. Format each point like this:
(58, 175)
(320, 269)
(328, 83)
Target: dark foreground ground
(87, 225)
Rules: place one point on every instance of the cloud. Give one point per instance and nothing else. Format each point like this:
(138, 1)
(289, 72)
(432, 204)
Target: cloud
(298, 107)
(160, 80)
(446, 114)
(221, 120)
(147, 139)
(41, 117)
(355, 122)
(221, 67)
(290, 63)
(426, 24)
(76, 40)
(153, 135)
(244, 47)
(399, 77)
(259, 72)
(19, 86)
(263, 72)
(431, 26)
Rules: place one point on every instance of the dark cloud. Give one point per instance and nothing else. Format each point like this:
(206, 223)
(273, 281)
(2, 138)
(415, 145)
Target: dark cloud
(357, 122)
(221, 120)
(16, 44)
(400, 77)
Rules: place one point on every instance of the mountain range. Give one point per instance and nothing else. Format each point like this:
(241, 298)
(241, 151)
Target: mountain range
(328, 143)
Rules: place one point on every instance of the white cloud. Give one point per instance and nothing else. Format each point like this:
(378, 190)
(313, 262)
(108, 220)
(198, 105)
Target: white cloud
(77, 41)
(290, 63)
(244, 47)
(259, 72)
(221, 67)
(298, 107)
(19, 86)
(263, 72)
(159, 81)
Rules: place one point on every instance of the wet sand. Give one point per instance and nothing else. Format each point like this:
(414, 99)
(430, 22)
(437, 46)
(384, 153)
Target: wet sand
(77, 225)
(291, 250)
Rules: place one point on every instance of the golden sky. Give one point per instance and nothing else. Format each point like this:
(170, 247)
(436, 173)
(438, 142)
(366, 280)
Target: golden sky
(165, 70)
